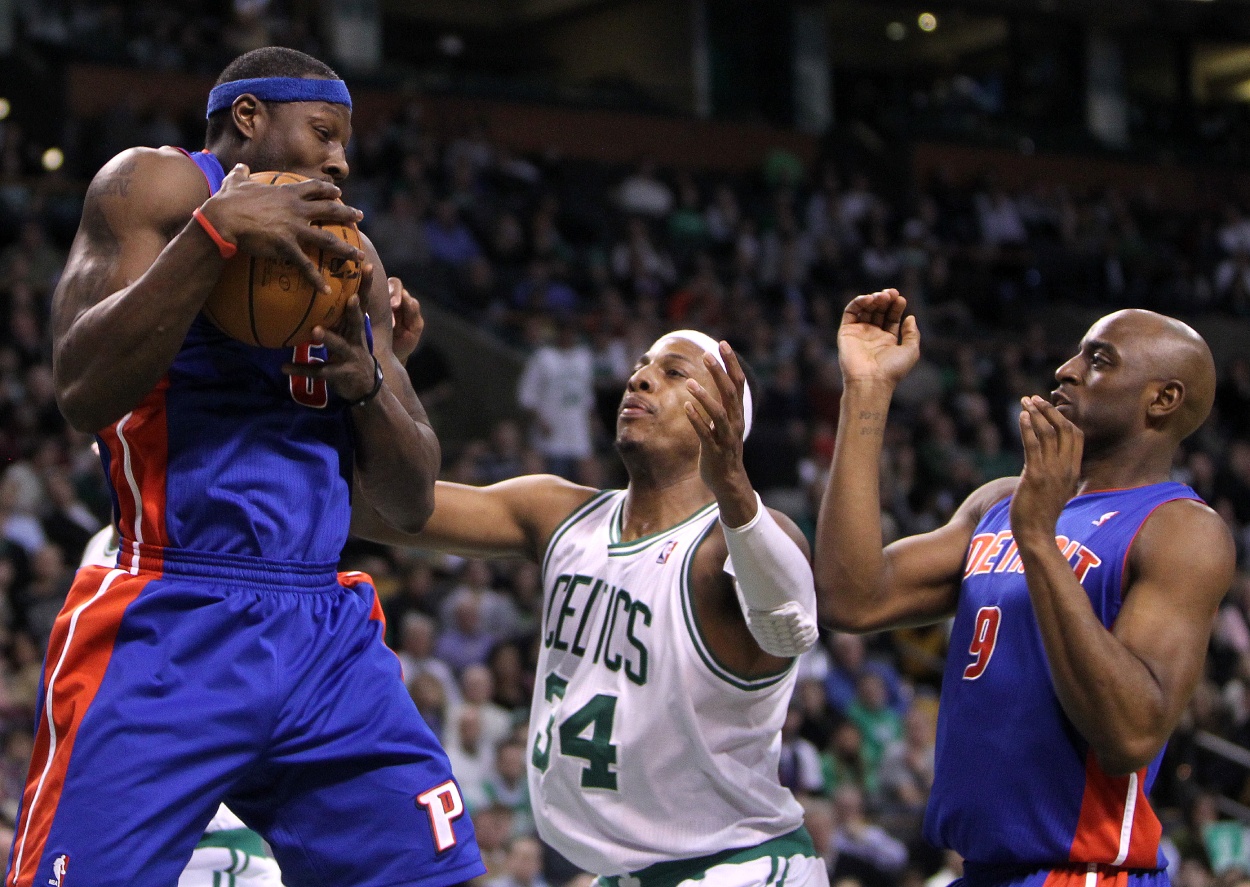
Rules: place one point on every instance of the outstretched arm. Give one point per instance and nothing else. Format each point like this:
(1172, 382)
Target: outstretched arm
(861, 587)
(513, 518)
(1124, 689)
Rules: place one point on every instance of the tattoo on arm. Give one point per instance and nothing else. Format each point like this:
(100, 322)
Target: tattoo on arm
(118, 184)
(871, 422)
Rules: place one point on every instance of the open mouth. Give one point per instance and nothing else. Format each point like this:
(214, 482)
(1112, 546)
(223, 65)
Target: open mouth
(634, 406)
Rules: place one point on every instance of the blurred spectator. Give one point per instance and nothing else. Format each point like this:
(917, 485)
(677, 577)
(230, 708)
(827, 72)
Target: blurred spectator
(504, 456)
(850, 662)
(477, 689)
(864, 850)
(508, 785)
(799, 766)
(417, 593)
(450, 240)
(642, 193)
(540, 291)
(429, 694)
(522, 864)
(879, 724)
(471, 757)
(499, 614)
(844, 761)
(66, 521)
(464, 640)
(906, 769)
(417, 636)
(399, 235)
(556, 389)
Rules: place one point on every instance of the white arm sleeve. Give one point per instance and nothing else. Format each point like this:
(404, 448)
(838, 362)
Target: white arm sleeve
(774, 583)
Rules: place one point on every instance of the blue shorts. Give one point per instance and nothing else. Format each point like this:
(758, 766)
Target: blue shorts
(1073, 875)
(169, 690)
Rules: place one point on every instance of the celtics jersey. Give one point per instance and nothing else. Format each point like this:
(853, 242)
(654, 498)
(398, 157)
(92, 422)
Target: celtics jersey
(644, 747)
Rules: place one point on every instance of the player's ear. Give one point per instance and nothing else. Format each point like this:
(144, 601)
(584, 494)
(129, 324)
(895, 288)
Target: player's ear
(244, 113)
(1167, 399)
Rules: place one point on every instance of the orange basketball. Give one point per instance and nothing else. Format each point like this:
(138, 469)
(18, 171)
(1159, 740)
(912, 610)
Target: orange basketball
(269, 302)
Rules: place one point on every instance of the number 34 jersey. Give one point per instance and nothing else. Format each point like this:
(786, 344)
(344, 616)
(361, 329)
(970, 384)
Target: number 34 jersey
(1016, 782)
(643, 747)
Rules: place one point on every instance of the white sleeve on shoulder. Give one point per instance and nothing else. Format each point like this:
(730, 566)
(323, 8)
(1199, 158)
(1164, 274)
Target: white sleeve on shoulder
(774, 584)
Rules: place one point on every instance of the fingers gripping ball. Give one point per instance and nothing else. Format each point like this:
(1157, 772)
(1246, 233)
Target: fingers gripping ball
(269, 302)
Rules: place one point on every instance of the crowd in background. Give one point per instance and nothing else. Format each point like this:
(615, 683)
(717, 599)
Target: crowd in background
(580, 266)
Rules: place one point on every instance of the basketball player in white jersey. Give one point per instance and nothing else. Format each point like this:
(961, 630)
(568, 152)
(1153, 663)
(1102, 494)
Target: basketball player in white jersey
(663, 681)
(230, 854)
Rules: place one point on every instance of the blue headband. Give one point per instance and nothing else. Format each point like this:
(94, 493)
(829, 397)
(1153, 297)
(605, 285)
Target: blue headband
(279, 89)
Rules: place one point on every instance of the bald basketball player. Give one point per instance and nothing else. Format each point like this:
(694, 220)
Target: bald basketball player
(1082, 594)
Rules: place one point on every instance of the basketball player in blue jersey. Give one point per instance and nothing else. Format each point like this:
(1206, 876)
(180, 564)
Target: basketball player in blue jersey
(222, 658)
(1082, 593)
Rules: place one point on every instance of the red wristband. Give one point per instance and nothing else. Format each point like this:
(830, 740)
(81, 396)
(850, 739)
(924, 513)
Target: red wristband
(225, 247)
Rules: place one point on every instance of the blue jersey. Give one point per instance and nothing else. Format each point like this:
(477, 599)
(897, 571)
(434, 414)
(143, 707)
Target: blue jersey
(229, 455)
(1017, 784)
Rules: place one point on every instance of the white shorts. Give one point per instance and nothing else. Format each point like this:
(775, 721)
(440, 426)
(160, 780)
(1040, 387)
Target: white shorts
(224, 867)
(763, 869)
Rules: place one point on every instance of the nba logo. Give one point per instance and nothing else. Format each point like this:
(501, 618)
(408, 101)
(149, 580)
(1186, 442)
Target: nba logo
(666, 551)
(59, 865)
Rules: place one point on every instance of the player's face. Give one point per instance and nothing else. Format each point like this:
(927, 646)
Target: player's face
(1102, 388)
(309, 138)
(656, 394)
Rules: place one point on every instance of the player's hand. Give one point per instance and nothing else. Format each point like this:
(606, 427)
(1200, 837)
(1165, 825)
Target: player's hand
(875, 342)
(720, 423)
(1052, 469)
(408, 324)
(276, 221)
(349, 366)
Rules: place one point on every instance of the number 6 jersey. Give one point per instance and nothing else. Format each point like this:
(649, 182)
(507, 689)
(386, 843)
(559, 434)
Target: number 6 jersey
(643, 747)
(1016, 784)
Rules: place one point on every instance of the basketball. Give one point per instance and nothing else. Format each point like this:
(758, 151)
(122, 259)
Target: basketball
(269, 302)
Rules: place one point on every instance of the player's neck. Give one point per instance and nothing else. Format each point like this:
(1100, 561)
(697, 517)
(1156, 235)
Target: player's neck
(1124, 468)
(653, 505)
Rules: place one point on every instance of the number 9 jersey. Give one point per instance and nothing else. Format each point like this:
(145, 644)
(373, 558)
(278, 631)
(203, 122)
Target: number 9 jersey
(1016, 784)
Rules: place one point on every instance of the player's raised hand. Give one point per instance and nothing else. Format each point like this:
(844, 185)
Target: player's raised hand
(408, 323)
(876, 343)
(277, 221)
(1052, 468)
(349, 369)
(721, 423)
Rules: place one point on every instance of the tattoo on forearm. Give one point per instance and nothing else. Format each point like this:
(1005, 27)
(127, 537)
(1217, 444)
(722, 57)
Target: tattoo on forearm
(871, 422)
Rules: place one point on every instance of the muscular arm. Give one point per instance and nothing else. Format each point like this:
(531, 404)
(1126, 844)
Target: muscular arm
(1125, 689)
(140, 269)
(513, 518)
(397, 452)
(859, 586)
(137, 274)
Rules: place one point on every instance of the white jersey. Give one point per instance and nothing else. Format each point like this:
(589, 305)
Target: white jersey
(643, 747)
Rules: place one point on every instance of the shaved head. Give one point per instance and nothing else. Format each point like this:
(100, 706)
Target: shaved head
(1168, 351)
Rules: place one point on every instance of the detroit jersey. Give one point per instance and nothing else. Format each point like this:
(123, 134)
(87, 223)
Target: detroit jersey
(229, 455)
(643, 747)
(1016, 782)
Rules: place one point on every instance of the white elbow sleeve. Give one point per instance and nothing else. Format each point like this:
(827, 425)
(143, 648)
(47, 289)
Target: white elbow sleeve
(774, 583)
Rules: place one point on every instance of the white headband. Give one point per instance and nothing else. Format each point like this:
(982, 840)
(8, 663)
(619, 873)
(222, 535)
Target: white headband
(712, 347)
